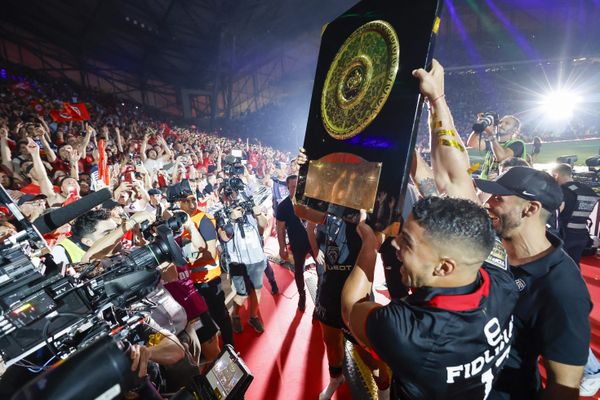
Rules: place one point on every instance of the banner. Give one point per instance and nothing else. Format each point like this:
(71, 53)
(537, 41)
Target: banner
(21, 89)
(70, 112)
(78, 111)
(102, 163)
(61, 116)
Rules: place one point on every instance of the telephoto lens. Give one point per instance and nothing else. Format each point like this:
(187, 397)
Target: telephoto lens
(488, 119)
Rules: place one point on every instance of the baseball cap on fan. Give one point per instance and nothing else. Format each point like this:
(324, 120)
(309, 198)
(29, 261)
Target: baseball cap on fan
(526, 183)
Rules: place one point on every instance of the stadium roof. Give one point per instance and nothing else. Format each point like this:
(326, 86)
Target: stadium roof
(175, 41)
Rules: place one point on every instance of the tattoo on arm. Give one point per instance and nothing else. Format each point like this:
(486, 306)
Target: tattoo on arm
(427, 187)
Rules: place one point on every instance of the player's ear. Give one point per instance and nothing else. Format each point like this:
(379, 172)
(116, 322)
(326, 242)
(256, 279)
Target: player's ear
(445, 267)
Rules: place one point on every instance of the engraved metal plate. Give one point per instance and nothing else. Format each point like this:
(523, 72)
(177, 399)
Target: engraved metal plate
(344, 179)
(360, 79)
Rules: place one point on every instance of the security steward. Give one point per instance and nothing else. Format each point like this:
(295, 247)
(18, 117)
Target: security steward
(205, 272)
(579, 201)
(451, 336)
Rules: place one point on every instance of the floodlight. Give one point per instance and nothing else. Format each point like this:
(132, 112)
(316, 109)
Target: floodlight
(560, 105)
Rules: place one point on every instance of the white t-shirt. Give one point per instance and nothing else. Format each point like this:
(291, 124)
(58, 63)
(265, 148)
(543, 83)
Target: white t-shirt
(136, 206)
(153, 165)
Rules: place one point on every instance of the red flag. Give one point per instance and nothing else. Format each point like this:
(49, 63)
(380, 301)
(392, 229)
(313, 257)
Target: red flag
(21, 89)
(166, 131)
(61, 116)
(78, 111)
(102, 163)
(37, 106)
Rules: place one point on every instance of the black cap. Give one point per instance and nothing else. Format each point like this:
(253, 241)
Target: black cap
(527, 183)
(30, 197)
(154, 191)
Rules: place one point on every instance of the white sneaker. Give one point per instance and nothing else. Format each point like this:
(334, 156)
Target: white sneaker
(334, 383)
(589, 385)
(383, 394)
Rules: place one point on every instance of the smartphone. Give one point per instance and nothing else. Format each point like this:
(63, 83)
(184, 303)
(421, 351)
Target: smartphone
(128, 176)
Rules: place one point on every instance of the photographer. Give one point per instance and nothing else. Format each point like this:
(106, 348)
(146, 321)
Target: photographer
(205, 271)
(240, 231)
(498, 140)
(94, 235)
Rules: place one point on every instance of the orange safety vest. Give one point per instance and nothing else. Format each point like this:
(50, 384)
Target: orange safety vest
(205, 268)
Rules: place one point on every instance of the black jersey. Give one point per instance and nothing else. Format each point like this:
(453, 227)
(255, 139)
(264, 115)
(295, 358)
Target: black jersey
(340, 245)
(447, 343)
(551, 321)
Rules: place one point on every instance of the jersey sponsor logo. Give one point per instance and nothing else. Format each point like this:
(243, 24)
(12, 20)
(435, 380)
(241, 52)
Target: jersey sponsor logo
(497, 256)
(520, 284)
(339, 267)
(333, 253)
(500, 341)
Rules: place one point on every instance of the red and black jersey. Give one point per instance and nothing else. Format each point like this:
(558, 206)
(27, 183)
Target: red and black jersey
(447, 343)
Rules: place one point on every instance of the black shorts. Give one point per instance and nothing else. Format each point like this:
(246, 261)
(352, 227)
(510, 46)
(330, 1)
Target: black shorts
(205, 327)
(328, 305)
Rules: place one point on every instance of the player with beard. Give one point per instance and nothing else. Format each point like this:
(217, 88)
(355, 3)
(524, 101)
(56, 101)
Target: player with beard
(552, 313)
(499, 143)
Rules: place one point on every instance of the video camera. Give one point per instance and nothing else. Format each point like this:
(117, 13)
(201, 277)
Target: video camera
(176, 192)
(179, 191)
(174, 223)
(234, 191)
(79, 317)
(232, 163)
(488, 119)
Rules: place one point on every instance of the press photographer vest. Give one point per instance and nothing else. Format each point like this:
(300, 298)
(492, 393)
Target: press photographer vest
(74, 252)
(584, 205)
(204, 269)
(490, 164)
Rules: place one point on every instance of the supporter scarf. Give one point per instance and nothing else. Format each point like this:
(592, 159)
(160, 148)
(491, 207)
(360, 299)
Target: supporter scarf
(102, 163)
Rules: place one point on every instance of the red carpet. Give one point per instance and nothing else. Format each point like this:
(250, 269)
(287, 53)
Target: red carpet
(590, 269)
(288, 360)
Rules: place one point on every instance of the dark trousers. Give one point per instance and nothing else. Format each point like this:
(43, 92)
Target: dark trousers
(299, 260)
(574, 247)
(270, 274)
(215, 299)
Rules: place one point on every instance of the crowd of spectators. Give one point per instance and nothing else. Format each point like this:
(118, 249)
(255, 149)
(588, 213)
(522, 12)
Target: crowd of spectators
(127, 130)
(138, 154)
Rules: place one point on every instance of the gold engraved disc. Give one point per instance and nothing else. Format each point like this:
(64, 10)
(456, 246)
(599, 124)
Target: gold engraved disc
(360, 79)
